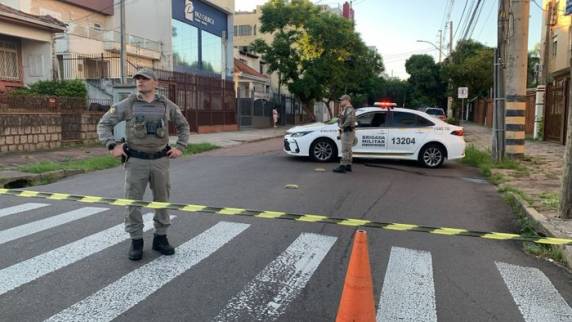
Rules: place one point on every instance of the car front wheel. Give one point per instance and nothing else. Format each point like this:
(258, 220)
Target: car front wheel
(323, 150)
(432, 156)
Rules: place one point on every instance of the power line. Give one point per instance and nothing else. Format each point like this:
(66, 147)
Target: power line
(493, 9)
(465, 22)
(102, 9)
(472, 20)
(458, 26)
(476, 20)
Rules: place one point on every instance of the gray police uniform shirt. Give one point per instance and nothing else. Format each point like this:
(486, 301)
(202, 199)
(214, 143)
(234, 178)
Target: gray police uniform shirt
(347, 118)
(146, 123)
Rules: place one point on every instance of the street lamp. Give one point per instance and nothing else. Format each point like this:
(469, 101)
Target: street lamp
(435, 46)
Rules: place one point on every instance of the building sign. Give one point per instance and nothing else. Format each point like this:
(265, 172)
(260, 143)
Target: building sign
(463, 92)
(200, 15)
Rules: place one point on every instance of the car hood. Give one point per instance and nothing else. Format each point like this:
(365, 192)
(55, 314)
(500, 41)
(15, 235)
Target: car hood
(312, 127)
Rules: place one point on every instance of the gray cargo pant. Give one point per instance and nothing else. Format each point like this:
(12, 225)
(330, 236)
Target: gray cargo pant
(138, 173)
(347, 143)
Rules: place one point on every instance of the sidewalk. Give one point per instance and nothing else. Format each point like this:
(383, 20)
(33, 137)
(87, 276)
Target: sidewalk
(538, 183)
(9, 162)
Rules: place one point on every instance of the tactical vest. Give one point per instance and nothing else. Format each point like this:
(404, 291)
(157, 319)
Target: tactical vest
(146, 125)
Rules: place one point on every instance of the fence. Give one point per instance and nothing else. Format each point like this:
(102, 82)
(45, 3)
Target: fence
(207, 103)
(86, 67)
(483, 110)
(556, 111)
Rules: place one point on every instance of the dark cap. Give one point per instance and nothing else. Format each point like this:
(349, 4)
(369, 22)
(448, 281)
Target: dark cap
(147, 73)
(345, 97)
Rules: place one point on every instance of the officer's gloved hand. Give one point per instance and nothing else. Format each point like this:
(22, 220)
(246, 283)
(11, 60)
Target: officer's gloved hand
(174, 153)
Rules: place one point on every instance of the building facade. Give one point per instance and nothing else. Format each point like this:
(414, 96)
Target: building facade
(26, 43)
(555, 64)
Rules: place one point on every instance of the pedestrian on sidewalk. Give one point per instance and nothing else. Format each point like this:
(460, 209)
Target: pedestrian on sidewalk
(275, 117)
(346, 124)
(146, 154)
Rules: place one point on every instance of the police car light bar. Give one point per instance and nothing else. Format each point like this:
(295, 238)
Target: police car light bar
(388, 105)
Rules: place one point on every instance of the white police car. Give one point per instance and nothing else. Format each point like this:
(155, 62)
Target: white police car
(384, 133)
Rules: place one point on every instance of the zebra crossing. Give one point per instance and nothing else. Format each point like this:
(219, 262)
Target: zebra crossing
(407, 292)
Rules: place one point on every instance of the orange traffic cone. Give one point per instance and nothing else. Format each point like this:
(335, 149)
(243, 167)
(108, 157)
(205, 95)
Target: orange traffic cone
(357, 303)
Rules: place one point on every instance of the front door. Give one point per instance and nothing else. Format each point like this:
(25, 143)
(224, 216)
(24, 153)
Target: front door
(371, 133)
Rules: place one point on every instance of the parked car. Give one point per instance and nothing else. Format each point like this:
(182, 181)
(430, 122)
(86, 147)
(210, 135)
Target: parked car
(436, 112)
(385, 133)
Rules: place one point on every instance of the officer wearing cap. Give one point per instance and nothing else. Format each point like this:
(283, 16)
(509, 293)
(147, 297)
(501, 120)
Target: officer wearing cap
(346, 124)
(146, 154)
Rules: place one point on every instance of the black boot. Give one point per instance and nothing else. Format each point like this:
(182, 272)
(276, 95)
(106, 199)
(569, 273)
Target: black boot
(161, 244)
(340, 169)
(349, 168)
(136, 250)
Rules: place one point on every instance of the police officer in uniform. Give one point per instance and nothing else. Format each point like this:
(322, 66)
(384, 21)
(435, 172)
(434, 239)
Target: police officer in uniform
(147, 153)
(346, 123)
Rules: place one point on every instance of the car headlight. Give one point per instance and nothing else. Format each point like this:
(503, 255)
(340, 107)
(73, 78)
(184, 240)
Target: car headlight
(299, 134)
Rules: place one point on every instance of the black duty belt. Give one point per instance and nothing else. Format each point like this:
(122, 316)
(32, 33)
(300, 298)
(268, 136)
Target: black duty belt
(145, 155)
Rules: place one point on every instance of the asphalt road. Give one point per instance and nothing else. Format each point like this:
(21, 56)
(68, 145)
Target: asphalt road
(70, 262)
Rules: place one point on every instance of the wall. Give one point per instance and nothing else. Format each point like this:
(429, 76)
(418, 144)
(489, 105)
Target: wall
(41, 131)
(150, 19)
(68, 13)
(29, 132)
(36, 61)
(559, 32)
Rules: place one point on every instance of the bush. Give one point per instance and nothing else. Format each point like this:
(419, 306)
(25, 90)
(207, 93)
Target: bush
(69, 88)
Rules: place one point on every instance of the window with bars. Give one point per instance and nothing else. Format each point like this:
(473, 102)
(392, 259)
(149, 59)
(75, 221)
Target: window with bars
(9, 66)
(244, 30)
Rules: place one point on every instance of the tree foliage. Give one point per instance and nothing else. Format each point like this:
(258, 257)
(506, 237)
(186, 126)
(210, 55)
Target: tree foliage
(318, 55)
(470, 65)
(425, 81)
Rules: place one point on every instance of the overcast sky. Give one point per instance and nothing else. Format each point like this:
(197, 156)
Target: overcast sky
(394, 26)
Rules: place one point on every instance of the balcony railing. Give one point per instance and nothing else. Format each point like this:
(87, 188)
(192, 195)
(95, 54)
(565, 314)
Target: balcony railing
(112, 38)
(132, 40)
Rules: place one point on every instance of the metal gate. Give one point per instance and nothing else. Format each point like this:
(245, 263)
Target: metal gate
(556, 111)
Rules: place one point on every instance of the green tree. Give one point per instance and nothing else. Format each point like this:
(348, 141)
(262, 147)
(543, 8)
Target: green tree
(470, 65)
(318, 55)
(425, 81)
(533, 63)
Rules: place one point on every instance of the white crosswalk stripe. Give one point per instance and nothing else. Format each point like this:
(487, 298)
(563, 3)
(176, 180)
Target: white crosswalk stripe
(120, 296)
(21, 208)
(266, 297)
(534, 294)
(36, 267)
(408, 292)
(44, 224)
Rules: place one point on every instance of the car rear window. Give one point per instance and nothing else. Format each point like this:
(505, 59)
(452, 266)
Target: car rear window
(435, 111)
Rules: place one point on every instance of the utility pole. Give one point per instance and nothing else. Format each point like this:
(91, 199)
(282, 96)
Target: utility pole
(450, 37)
(516, 76)
(566, 188)
(541, 88)
(123, 50)
(440, 44)
(498, 147)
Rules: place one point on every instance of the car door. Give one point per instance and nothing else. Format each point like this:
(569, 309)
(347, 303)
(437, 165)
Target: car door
(407, 132)
(371, 133)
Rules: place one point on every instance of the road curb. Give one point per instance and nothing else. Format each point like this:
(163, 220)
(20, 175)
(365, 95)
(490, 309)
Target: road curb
(542, 225)
(61, 174)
